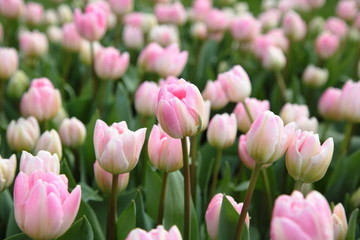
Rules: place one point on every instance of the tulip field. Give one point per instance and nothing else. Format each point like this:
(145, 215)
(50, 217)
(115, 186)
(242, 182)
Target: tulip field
(179, 120)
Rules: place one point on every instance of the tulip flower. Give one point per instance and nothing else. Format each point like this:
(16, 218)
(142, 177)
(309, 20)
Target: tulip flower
(10, 62)
(348, 104)
(216, 20)
(50, 141)
(33, 44)
(346, 10)
(336, 26)
(170, 13)
(120, 7)
(11, 8)
(222, 130)
(171, 61)
(146, 98)
(148, 57)
(54, 34)
(245, 28)
(7, 172)
(91, 25)
(18, 84)
(85, 51)
(274, 59)
(104, 179)
(65, 13)
(44, 198)
(34, 13)
(43, 161)
(72, 132)
(133, 37)
(339, 222)
(71, 40)
(215, 93)
(329, 104)
(314, 76)
(199, 31)
(294, 26)
(23, 134)
(292, 215)
(326, 45)
(159, 233)
(165, 35)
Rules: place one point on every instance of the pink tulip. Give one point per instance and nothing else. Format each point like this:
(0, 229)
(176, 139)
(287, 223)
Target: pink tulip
(329, 104)
(42, 100)
(326, 45)
(215, 93)
(34, 13)
(180, 109)
(243, 153)
(148, 57)
(54, 34)
(23, 134)
(212, 215)
(170, 13)
(292, 112)
(268, 138)
(49, 141)
(206, 117)
(314, 76)
(91, 25)
(72, 132)
(171, 62)
(236, 84)
(33, 44)
(273, 59)
(294, 26)
(348, 104)
(164, 35)
(307, 124)
(11, 8)
(104, 179)
(200, 9)
(316, 4)
(133, 37)
(256, 107)
(158, 233)
(1, 33)
(245, 28)
(279, 39)
(222, 130)
(336, 26)
(110, 64)
(7, 172)
(297, 218)
(339, 222)
(270, 18)
(138, 234)
(9, 62)
(146, 98)
(199, 31)
(71, 39)
(43, 161)
(116, 147)
(145, 21)
(44, 198)
(346, 10)
(217, 21)
(121, 7)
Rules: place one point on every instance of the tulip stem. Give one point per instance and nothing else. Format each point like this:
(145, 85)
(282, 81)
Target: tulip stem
(325, 129)
(298, 185)
(248, 196)
(187, 190)
(92, 56)
(282, 86)
(162, 199)
(76, 164)
(193, 153)
(248, 112)
(111, 230)
(347, 139)
(267, 187)
(216, 172)
(2, 97)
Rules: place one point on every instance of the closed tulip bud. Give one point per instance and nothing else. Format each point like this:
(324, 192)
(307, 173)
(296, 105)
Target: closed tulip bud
(206, 116)
(146, 98)
(212, 215)
(42, 100)
(71, 39)
(65, 13)
(216, 20)
(120, 7)
(116, 147)
(148, 57)
(336, 26)
(72, 132)
(171, 61)
(23, 134)
(159, 233)
(245, 28)
(294, 26)
(180, 109)
(292, 215)
(199, 30)
(200, 9)
(268, 138)
(314, 76)
(349, 106)
(165, 152)
(293, 112)
(274, 59)
(85, 53)
(170, 13)
(50, 141)
(146, 21)
(43, 161)
(34, 13)
(346, 10)
(256, 107)
(270, 18)
(222, 130)
(110, 64)
(339, 222)
(11, 8)
(33, 44)
(329, 104)
(326, 45)
(236, 84)
(54, 34)
(51, 17)
(44, 198)
(7, 172)
(104, 179)
(133, 37)
(215, 93)
(10, 62)
(91, 25)
(17, 84)
(306, 159)
(164, 35)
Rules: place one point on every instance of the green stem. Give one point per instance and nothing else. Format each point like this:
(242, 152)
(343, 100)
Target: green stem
(298, 185)
(325, 129)
(248, 111)
(111, 230)
(216, 172)
(193, 154)
(162, 199)
(281, 83)
(187, 189)
(248, 196)
(92, 55)
(267, 187)
(2, 95)
(76, 164)
(347, 138)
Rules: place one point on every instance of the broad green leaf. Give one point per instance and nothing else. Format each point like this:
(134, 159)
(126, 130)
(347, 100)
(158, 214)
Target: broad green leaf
(12, 227)
(152, 191)
(80, 230)
(86, 210)
(352, 225)
(89, 194)
(121, 109)
(20, 236)
(65, 169)
(6, 205)
(126, 221)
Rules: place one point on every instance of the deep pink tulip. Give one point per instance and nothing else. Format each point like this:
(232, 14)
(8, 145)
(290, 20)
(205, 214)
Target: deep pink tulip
(42, 161)
(71, 40)
(245, 28)
(329, 104)
(11, 8)
(91, 25)
(110, 64)
(148, 57)
(104, 179)
(222, 130)
(44, 198)
(146, 98)
(171, 61)
(215, 93)
(9, 62)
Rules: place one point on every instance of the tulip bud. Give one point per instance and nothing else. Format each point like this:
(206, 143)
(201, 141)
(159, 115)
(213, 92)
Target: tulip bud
(91, 25)
(43, 161)
(71, 39)
(116, 147)
(236, 84)
(54, 34)
(146, 98)
(110, 64)
(44, 198)
(326, 45)
(51, 17)
(148, 57)
(85, 53)
(10, 62)
(170, 13)
(329, 104)
(293, 112)
(7, 172)
(34, 13)
(339, 222)
(23, 134)
(159, 233)
(215, 93)
(164, 35)
(17, 84)
(306, 160)
(120, 7)
(245, 28)
(33, 44)
(171, 62)
(346, 10)
(348, 104)
(336, 26)
(270, 18)
(65, 13)
(11, 8)
(133, 37)
(274, 59)
(212, 215)
(216, 20)
(50, 141)
(314, 76)
(256, 107)
(294, 26)
(72, 132)
(222, 130)
(268, 138)
(104, 179)
(199, 30)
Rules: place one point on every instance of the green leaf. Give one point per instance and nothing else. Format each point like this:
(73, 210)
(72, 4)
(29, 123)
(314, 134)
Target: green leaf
(152, 191)
(12, 227)
(80, 230)
(352, 225)
(121, 109)
(65, 169)
(131, 79)
(89, 194)
(6, 205)
(86, 210)
(20, 236)
(126, 221)
(206, 57)
(225, 182)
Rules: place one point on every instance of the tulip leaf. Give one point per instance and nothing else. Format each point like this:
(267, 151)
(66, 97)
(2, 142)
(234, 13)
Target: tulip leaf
(352, 225)
(80, 230)
(152, 191)
(5, 211)
(121, 109)
(12, 227)
(65, 169)
(206, 57)
(20, 236)
(86, 210)
(126, 221)
(142, 219)
(89, 194)
(131, 79)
